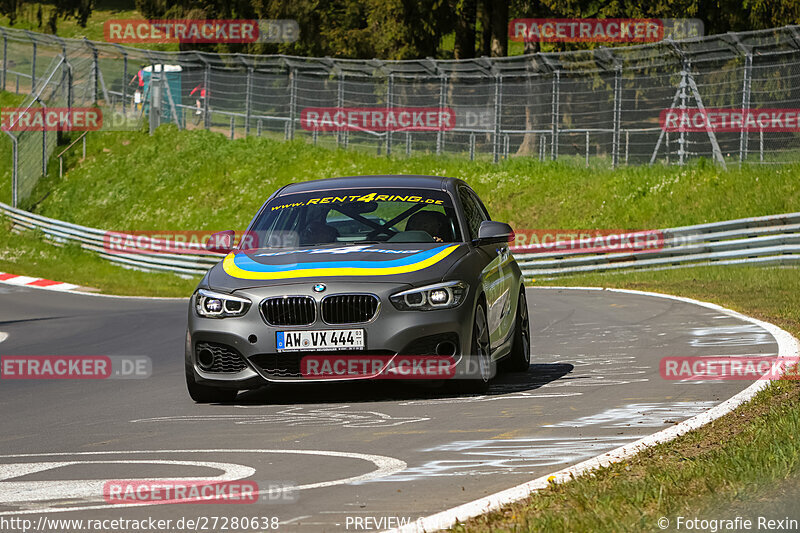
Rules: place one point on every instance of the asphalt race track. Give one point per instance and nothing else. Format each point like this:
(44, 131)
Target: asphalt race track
(356, 453)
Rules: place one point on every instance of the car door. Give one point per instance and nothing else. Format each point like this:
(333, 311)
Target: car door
(495, 276)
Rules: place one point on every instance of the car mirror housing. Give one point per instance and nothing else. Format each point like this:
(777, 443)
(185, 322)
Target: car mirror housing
(221, 242)
(491, 232)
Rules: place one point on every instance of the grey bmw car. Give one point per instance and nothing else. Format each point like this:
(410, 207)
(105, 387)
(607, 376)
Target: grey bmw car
(368, 277)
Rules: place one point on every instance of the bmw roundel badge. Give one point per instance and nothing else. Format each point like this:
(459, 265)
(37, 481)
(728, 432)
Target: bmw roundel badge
(319, 287)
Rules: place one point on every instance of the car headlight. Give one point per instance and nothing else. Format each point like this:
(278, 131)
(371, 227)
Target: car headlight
(209, 304)
(439, 296)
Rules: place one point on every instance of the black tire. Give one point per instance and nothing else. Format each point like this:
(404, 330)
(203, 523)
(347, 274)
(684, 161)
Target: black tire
(206, 394)
(519, 360)
(480, 356)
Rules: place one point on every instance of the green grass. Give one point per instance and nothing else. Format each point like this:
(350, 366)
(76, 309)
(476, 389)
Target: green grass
(736, 462)
(200, 180)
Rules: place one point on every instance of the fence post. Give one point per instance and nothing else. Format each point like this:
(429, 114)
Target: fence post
(617, 117)
(743, 134)
(627, 144)
(207, 85)
(14, 169)
(292, 100)
(33, 66)
(233, 126)
(442, 100)
(340, 105)
(555, 115)
(5, 60)
(408, 143)
(248, 101)
(472, 146)
(498, 103)
(155, 101)
(44, 139)
(125, 81)
(389, 102)
(96, 67)
(683, 96)
(587, 148)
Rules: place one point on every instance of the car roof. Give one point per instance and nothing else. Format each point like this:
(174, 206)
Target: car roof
(376, 181)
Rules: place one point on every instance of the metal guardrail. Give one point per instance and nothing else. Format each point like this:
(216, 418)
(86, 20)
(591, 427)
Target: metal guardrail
(773, 239)
(96, 240)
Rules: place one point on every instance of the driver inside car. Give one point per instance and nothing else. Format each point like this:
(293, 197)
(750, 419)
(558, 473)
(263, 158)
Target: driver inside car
(433, 223)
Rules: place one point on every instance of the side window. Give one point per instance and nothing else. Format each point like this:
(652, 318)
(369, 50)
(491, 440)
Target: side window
(473, 212)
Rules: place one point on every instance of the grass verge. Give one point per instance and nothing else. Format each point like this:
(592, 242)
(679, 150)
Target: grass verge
(727, 464)
(199, 180)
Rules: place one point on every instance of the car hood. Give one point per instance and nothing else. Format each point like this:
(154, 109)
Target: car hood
(403, 263)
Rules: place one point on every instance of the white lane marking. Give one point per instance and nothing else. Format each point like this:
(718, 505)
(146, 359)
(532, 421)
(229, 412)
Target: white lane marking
(385, 466)
(655, 414)
(788, 348)
(3, 336)
(507, 456)
(300, 416)
(730, 335)
(91, 490)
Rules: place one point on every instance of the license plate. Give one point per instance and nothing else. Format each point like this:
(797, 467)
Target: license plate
(322, 340)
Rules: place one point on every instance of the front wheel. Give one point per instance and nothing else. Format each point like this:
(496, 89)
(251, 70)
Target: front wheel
(519, 360)
(205, 394)
(480, 368)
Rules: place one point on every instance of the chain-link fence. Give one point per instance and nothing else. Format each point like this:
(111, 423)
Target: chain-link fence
(599, 106)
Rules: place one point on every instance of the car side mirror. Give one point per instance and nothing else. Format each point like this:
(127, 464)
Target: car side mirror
(221, 242)
(491, 232)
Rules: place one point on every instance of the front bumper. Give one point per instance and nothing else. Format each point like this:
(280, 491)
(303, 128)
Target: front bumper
(390, 333)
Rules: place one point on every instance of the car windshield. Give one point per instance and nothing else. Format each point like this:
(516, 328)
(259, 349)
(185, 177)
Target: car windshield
(357, 216)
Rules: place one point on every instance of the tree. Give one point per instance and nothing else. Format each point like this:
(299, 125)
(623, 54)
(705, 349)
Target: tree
(465, 13)
(9, 8)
